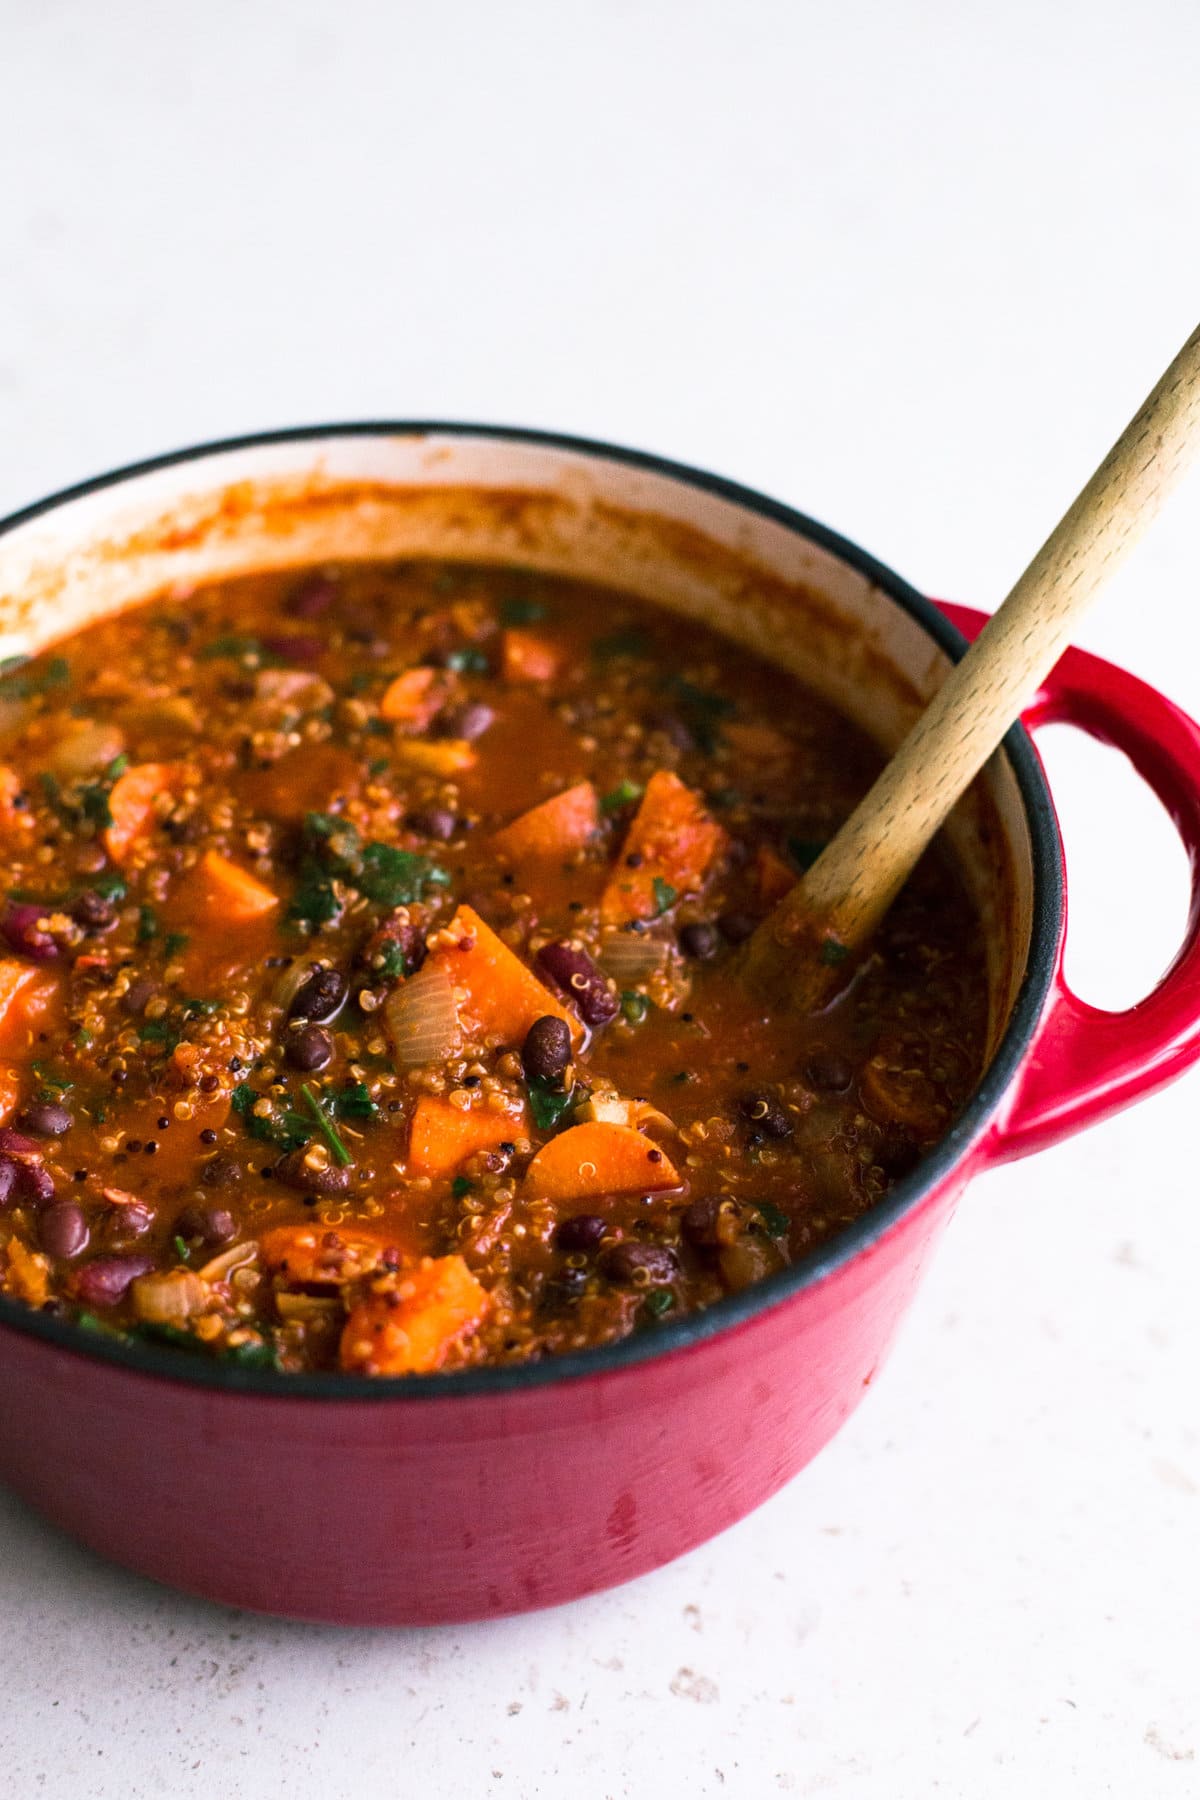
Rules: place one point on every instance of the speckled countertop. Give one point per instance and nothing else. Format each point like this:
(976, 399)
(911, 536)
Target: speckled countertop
(909, 267)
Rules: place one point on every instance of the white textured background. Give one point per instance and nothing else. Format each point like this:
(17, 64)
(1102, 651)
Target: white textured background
(909, 266)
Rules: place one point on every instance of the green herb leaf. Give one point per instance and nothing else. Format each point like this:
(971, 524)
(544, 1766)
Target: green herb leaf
(10, 664)
(93, 803)
(833, 953)
(117, 766)
(665, 895)
(174, 943)
(251, 1356)
(203, 1009)
(159, 1031)
(634, 1007)
(460, 1187)
(328, 1130)
(378, 765)
(776, 1222)
(468, 661)
(624, 794)
(660, 1301)
(182, 1250)
(547, 1105)
(153, 1333)
(52, 788)
(522, 611)
(284, 1128)
(392, 963)
(354, 1102)
(110, 886)
(232, 645)
(147, 924)
(397, 877)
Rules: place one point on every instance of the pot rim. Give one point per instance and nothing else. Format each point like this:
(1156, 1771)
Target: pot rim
(692, 1330)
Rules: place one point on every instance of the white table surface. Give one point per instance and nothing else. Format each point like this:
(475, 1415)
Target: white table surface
(909, 266)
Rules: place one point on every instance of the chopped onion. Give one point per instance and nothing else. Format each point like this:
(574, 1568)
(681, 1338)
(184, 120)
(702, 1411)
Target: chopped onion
(169, 1299)
(632, 958)
(422, 1018)
(221, 1267)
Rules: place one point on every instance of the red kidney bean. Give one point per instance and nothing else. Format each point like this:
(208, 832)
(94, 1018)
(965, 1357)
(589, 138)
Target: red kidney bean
(63, 1230)
(106, 1281)
(45, 1117)
(640, 1265)
(295, 647)
(10, 1180)
(312, 596)
(15, 1143)
(21, 931)
(210, 1225)
(546, 1050)
(574, 973)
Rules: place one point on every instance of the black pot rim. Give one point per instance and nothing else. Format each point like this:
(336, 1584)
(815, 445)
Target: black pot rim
(737, 1310)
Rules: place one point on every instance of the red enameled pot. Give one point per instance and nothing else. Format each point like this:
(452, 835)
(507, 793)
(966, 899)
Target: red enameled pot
(449, 1498)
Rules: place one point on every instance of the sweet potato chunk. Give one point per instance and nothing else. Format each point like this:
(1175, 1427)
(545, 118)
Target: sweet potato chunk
(134, 802)
(27, 994)
(672, 843)
(234, 896)
(414, 697)
(442, 1137)
(497, 995)
(552, 830)
(410, 1328)
(319, 1256)
(589, 1161)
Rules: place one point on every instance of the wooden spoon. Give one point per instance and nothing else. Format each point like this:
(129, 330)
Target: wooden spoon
(793, 956)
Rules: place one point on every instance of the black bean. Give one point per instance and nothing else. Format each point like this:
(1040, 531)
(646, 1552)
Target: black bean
(767, 1114)
(321, 996)
(93, 911)
(546, 1050)
(710, 1221)
(573, 972)
(469, 720)
(640, 1265)
(561, 1292)
(46, 1118)
(311, 596)
(210, 1225)
(296, 1172)
(699, 940)
(736, 927)
(583, 1233)
(436, 822)
(63, 1230)
(309, 1048)
(221, 1171)
(106, 1281)
(828, 1072)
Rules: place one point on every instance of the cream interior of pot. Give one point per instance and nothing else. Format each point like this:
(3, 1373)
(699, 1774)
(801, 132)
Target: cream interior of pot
(505, 501)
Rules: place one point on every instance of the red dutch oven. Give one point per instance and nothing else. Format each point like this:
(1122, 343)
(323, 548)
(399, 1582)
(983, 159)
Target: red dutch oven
(449, 1498)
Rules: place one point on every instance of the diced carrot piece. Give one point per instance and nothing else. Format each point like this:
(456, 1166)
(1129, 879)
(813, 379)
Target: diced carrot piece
(10, 1093)
(415, 697)
(589, 1161)
(319, 1255)
(671, 845)
(500, 997)
(441, 1137)
(775, 877)
(28, 1274)
(234, 896)
(133, 805)
(440, 756)
(410, 1329)
(553, 829)
(527, 657)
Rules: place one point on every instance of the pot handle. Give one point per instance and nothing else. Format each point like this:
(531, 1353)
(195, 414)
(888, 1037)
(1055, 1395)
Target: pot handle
(1086, 1062)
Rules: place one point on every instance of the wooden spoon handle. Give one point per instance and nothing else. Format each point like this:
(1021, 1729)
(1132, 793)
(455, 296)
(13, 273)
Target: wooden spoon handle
(841, 900)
